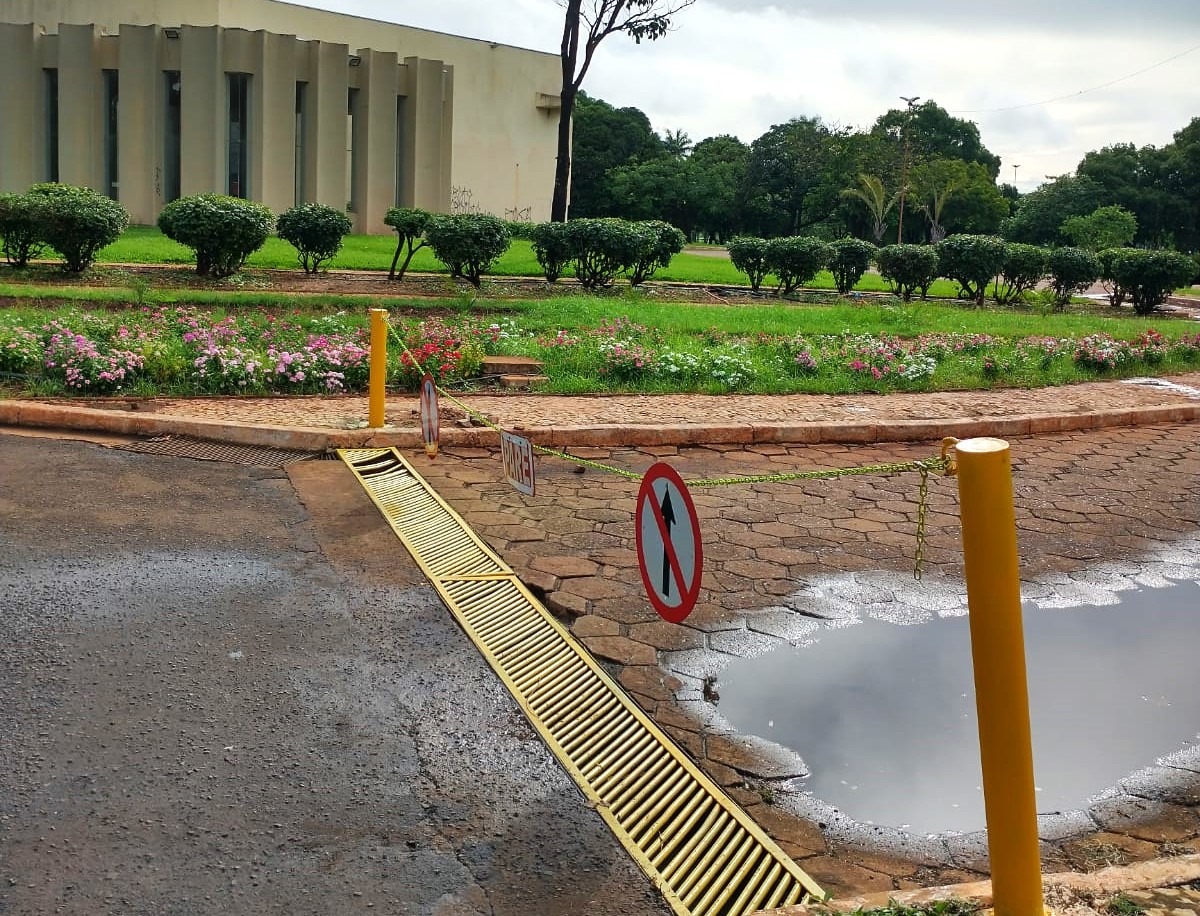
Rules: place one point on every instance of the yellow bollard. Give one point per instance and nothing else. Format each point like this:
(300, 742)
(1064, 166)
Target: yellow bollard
(989, 534)
(378, 383)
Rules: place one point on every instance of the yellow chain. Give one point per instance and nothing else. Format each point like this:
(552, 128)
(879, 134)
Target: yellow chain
(943, 462)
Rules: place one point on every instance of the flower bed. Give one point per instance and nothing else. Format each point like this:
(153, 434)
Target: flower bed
(180, 350)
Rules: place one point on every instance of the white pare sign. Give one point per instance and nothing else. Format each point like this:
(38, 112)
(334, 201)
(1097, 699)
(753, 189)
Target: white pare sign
(517, 455)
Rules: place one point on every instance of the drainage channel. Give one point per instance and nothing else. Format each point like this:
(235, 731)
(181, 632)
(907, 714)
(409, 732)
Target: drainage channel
(207, 450)
(703, 852)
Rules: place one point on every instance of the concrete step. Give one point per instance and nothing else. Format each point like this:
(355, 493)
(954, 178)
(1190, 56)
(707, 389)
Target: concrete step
(511, 365)
(523, 381)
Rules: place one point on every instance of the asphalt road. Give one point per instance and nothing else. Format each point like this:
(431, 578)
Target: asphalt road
(228, 690)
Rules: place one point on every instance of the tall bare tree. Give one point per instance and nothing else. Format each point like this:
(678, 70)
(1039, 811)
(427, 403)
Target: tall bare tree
(586, 23)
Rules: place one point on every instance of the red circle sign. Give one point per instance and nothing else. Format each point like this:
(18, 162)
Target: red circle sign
(669, 549)
(429, 415)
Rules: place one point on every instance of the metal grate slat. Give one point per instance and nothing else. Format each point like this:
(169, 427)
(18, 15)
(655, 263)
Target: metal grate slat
(699, 848)
(260, 456)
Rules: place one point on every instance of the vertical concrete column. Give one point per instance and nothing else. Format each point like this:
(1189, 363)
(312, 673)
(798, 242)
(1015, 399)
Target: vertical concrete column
(375, 141)
(446, 154)
(205, 114)
(273, 121)
(80, 98)
(327, 105)
(140, 122)
(22, 137)
(423, 135)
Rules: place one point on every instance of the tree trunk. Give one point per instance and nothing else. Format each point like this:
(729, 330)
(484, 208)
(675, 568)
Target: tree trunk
(562, 168)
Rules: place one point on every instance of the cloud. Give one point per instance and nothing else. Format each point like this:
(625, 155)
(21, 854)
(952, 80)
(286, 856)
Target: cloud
(1066, 18)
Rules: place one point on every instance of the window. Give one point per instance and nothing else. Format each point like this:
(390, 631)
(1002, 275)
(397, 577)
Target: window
(172, 146)
(301, 112)
(111, 174)
(238, 135)
(351, 158)
(401, 114)
(51, 125)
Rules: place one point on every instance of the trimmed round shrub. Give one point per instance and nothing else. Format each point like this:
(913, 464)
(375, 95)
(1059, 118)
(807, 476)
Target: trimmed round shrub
(601, 249)
(1071, 271)
(1146, 277)
(972, 261)
(222, 231)
(552, 247)
(315, 231)
(468, 243)
(849, 259)
(795, 260)
(657, 243)
(749, 255)
(908, 268)
(76, 222)
(1024, 267)
(409, 223)
(19, 233)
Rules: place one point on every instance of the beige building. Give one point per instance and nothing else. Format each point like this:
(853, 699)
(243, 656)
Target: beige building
(149, 100)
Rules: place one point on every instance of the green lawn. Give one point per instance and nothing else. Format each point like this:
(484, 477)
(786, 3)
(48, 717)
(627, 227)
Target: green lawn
(146, 245)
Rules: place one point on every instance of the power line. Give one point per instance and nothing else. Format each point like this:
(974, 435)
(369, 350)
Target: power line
(1071, 95)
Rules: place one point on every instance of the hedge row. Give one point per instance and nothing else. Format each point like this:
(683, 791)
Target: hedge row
(979, 264)
(75, 222)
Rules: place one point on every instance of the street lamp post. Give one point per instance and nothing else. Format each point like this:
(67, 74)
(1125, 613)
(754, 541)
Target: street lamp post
(1015, 167)
(904, 166)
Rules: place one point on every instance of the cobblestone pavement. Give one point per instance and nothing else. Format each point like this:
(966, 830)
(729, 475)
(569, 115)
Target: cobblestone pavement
(1117, 497)
(1168, 901)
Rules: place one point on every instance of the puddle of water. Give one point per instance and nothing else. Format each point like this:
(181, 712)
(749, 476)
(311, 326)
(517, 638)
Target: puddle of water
(884, 715)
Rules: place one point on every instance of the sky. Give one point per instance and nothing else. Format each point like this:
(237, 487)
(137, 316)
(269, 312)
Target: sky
(740, 66)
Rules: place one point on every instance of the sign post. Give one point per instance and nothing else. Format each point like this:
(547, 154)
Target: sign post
(517, 454)
(429, 415)
(669, 549)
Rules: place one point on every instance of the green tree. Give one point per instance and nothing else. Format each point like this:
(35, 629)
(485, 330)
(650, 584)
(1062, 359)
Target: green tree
(1039, 218)
(655, 189)
(1182, 179)
(978, 207)
(1105, 227)
(934, 133)
(1138, 181)
(933, 183)
(795, 176)
(585, 26)
(606, 138)
(717, 173)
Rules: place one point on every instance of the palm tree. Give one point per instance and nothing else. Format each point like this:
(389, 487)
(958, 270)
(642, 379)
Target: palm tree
(872, 194)
(935, 182)
(677, 143)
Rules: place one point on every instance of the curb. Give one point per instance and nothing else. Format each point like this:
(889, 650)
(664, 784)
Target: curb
(1102, 883)
(133, 423)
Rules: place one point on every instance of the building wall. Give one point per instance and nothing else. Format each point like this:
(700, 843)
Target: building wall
(477, 120)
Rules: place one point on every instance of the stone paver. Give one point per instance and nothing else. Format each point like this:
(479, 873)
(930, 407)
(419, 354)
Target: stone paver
(763, 542)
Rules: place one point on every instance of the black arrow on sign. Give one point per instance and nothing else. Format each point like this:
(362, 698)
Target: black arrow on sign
(668, 517)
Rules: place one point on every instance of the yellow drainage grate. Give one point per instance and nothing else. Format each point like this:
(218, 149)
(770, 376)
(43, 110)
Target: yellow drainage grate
(700, 849)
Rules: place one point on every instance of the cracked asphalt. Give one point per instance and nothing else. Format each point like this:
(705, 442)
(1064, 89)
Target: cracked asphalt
(228, 690)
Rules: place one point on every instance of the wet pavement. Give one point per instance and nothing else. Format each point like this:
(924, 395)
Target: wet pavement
(1100, 512)
(882, 712)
